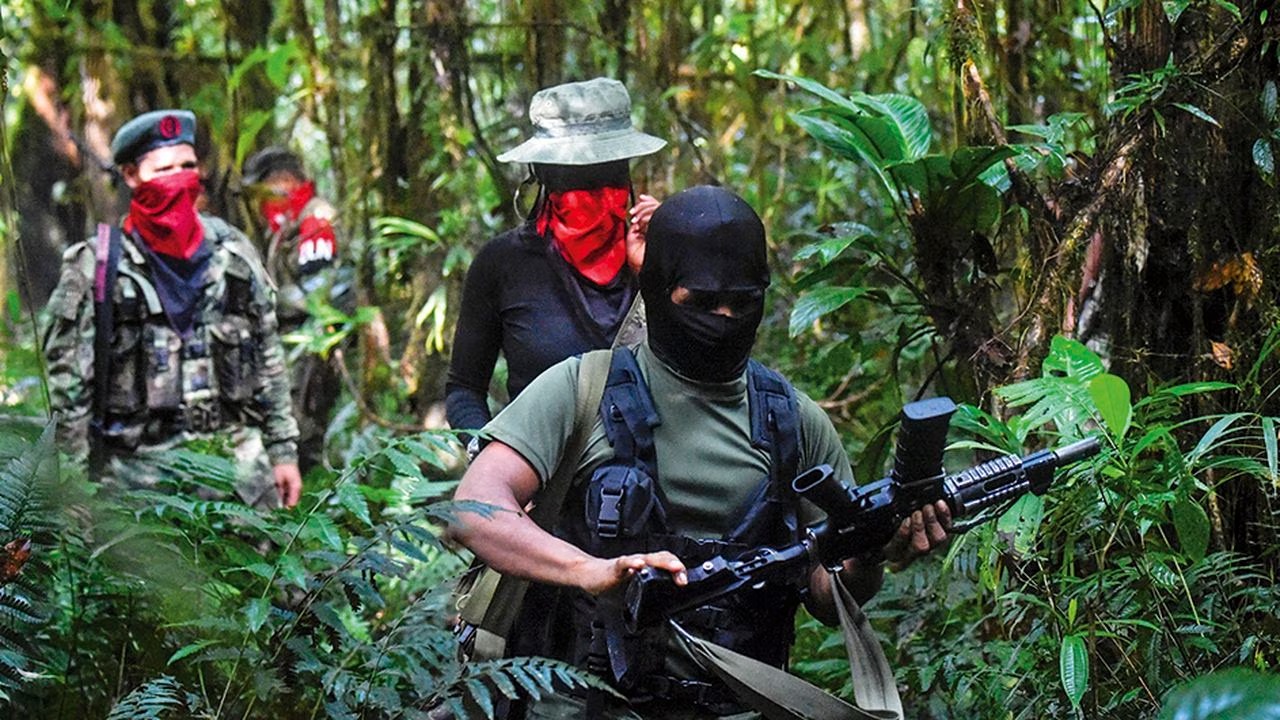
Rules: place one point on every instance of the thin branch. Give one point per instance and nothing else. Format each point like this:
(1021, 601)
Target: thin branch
(365, 411)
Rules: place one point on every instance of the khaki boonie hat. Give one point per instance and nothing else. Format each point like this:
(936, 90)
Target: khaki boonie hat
(582, 123)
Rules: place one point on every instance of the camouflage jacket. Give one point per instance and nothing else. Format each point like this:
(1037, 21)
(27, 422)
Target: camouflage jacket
(301, 258)
(229, 371)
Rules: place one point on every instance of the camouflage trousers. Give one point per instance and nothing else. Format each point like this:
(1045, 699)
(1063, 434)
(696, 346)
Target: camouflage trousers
(148, 468)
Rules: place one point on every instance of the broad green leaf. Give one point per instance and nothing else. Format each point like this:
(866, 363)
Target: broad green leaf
(1269, 101)
(188, 650)
(1173, 9)
(278, 64)
(1230, 7)
(250, 127)
(1196, 388)
(830, 248)
(849, 144)
(350, 498)
(256, 612)
(907, 114)
(1073, 668)
(391, 227)
(1196, 111)
(1237, 693)
(1192, 524)
(1263, 157)
(811, 86)
(1152, 436)
(1111, 394)
(1209, 441)
(257, 57)
(1022, 522)
(1070, 358)
(818, 302)
(1269, 441)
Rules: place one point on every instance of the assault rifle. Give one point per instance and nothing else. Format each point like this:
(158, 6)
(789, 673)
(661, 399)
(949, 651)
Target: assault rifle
(860, 519)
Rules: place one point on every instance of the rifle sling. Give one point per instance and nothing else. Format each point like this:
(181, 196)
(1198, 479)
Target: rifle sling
(779, 695)
(106, 269)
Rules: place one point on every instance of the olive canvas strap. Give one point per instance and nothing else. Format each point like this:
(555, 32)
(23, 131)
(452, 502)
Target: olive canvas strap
(493, 602)
(779, 695)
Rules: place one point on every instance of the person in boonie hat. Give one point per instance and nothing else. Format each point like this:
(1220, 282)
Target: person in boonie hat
(564, 281)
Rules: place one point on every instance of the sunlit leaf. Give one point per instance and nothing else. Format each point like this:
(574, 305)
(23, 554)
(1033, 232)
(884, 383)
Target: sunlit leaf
(191, 649)
(1073, 668)
(1021, 522)
(818, 302)
(1238, 694)
(1111, 394)
(1269, 441)
(1263, 156)
(1196, 111)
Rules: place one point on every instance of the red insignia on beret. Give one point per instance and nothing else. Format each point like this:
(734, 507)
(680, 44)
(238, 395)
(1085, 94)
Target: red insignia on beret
(170, 126)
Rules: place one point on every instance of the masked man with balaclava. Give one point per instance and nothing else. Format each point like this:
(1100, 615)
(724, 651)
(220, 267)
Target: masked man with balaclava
(561, 283)
(162, 329)
(690, 455)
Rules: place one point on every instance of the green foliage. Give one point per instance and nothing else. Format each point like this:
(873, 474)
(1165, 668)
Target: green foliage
(1238, 693)
(156, 700)
(206, 608)
(1110, 590)
(27, 460)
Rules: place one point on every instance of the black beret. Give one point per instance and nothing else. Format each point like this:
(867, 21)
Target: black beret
(268, 160)
(159, 128)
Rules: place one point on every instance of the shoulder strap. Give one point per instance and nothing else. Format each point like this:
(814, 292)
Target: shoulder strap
(494, 601)
(775, 421)
(778, 695)
(629, 414)
(106, 269)
(593, 371)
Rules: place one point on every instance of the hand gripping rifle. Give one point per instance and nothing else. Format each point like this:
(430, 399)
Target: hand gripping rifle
(860, 520)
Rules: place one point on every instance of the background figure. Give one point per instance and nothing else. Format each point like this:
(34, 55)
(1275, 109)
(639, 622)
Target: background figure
(561, 283)
(163, 329)
(299, 242)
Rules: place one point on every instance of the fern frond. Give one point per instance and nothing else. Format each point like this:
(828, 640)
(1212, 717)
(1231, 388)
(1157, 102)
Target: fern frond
(19, 475)
(155, 700)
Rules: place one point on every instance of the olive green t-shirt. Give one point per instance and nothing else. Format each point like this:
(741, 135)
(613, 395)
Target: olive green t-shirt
(707, 466)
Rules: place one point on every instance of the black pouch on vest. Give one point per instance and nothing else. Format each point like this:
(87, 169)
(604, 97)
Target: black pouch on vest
(623, 502)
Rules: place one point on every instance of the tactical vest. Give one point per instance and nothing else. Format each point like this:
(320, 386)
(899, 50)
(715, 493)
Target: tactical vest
(622, 510)
(162, 384)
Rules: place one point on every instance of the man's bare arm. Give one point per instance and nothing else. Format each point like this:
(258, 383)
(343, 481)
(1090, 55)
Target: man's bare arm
(511, 543)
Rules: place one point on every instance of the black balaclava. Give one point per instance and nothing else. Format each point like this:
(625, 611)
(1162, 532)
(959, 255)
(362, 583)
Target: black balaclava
(705, 239)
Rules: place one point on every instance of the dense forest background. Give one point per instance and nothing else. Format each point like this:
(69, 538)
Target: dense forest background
(1063, 214)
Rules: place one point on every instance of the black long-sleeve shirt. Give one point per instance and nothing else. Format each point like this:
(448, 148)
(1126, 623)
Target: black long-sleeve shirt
(523, 299)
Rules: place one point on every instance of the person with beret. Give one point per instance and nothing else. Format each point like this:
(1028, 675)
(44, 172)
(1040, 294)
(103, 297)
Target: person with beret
(564, 281)
(298, 239)
(162, 329)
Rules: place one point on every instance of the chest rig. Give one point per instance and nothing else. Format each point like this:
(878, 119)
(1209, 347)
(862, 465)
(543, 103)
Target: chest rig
(163, 383)
(625, 511)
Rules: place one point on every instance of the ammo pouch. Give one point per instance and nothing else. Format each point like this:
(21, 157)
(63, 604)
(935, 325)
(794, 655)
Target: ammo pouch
(233, 354)
(623, 502)
(163, 351)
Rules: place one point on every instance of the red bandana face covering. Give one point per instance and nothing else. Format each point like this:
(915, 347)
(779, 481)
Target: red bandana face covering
(281, 209)
(163, 212)
(589, 228)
